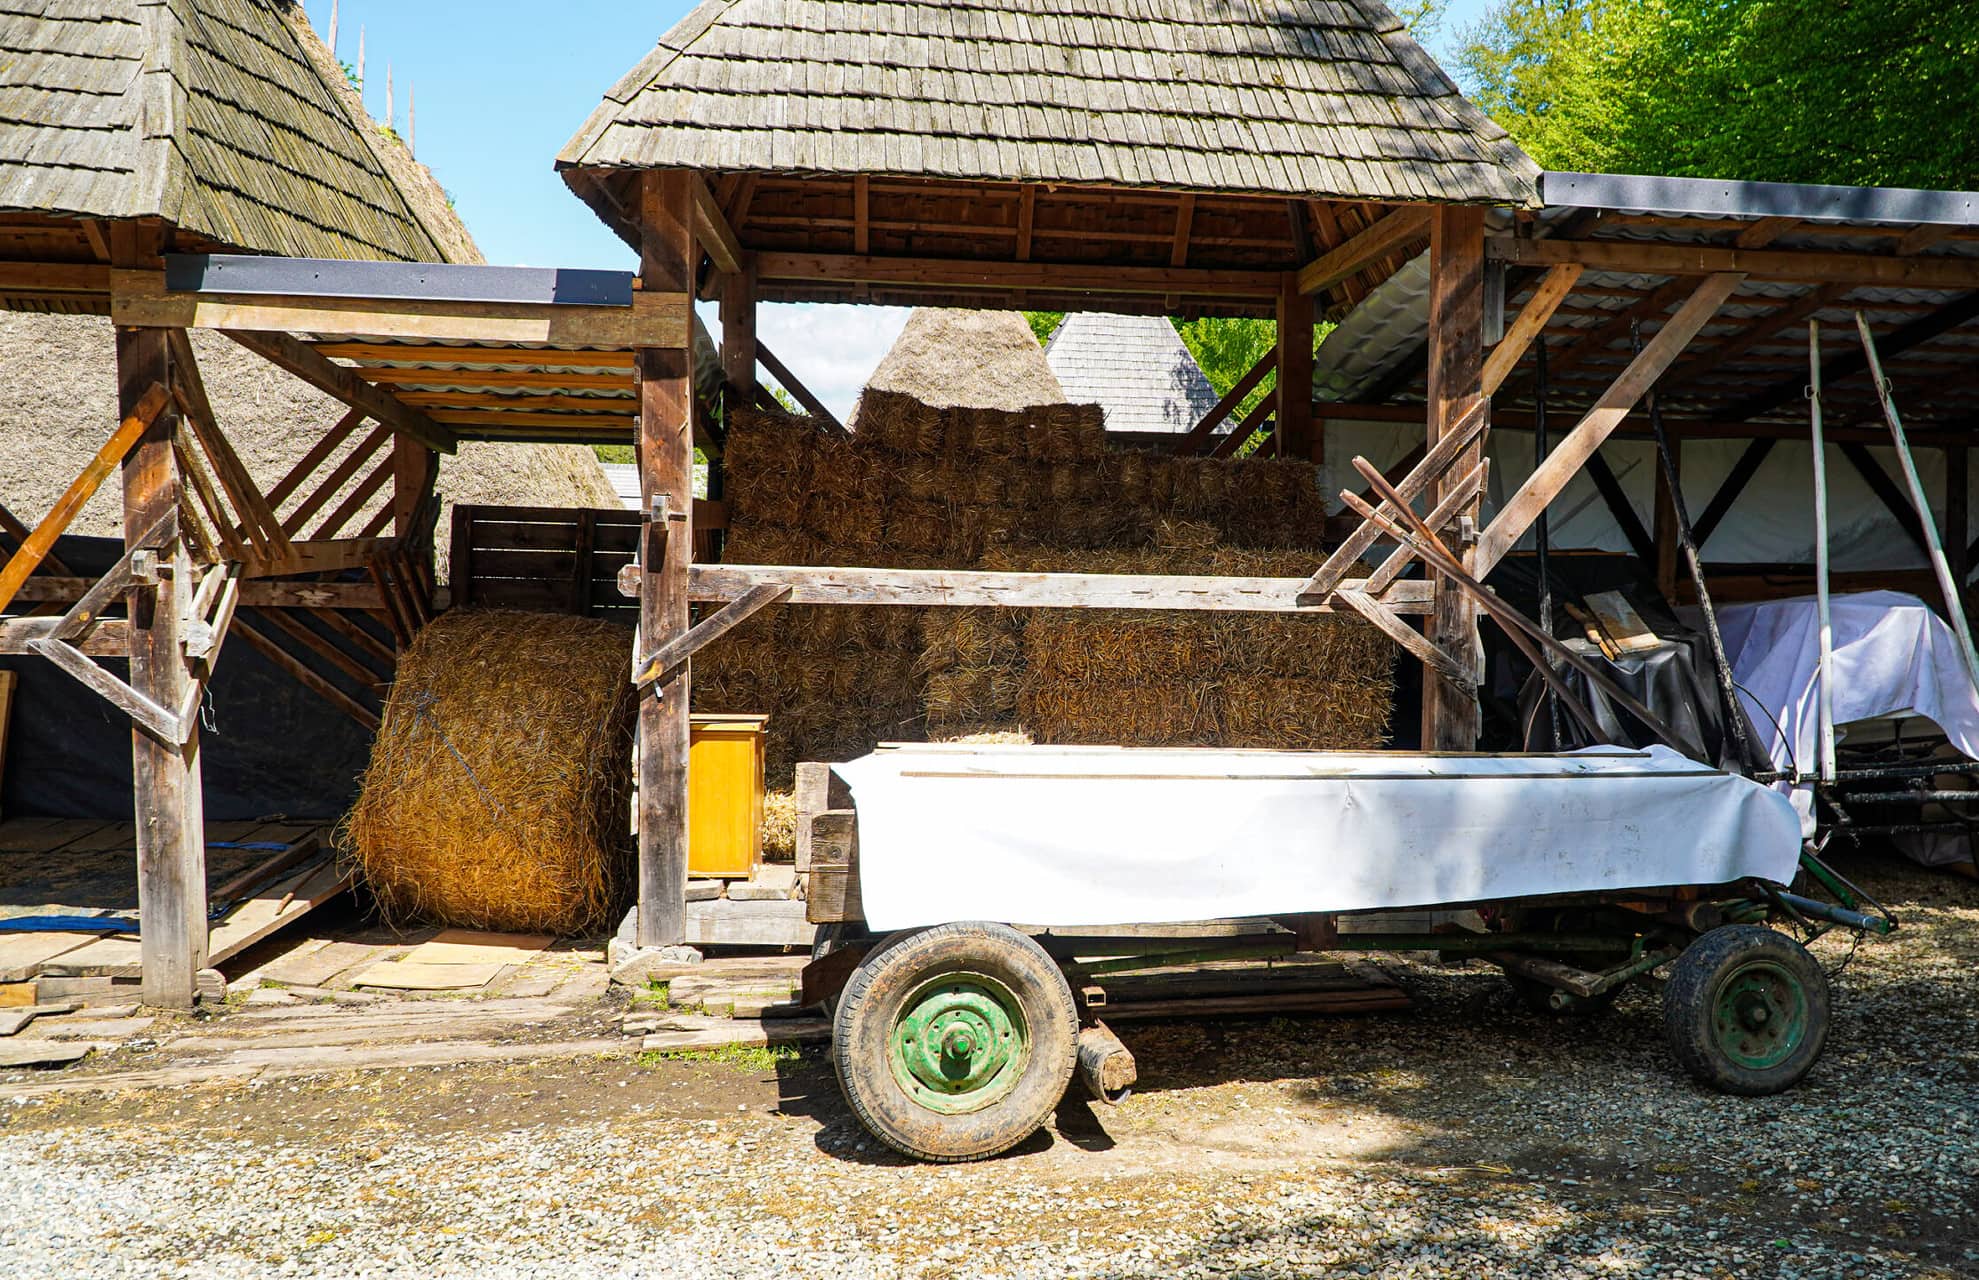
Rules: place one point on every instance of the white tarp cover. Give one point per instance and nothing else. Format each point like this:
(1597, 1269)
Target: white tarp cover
(1892, 656)
(1079, 836)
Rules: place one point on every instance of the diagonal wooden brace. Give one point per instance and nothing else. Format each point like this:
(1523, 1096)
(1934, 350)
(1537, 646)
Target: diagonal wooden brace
(1395, 628)
(669, 656)
(1425, 473)
(87, 611)
(174, 727)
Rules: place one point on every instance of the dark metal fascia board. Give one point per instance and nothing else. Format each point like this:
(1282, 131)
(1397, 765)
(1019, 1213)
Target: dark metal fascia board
(1708, 196)
(245, 274)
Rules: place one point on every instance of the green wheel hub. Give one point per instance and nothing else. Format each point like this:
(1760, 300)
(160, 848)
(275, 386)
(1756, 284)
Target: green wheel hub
(960, 1043)
(1760, 1015)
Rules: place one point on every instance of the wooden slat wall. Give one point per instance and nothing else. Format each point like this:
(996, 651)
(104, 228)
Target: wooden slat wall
(550, 559)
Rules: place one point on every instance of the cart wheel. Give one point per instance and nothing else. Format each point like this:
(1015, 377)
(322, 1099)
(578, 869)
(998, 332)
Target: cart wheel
(1746, 1010)
(1538, 997)
(954, 1043)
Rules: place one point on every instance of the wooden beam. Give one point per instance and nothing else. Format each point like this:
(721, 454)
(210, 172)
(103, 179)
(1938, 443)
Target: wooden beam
(1620, 510)
(666, 542)
(354, 501)
(1765, 231)
(442, 353)
(110, 639)
(305, 362)
(549, 379)
(141, 412)
(972, 274)
(1546, 298)
(257, 593)
(339, 476)
(1185, 220)
(1456, 500)
(1644, 257)
(332, 556)
(527, 401)
(967, 588)
(1027, 220)
(654, 318)
(54, 277)
(1572, 453)
(1395, 628)
(1385, 236)
(1247, 426)
(862, 215)
(1200, 433)
(1894, 499)
(712, 232)
(1455, 397)
(1614, 327)
(1295, 370)
(798, 391)
(171, 841)
(738, 317)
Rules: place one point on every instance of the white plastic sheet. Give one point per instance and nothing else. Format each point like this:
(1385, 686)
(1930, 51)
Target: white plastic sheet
(1083, 836)
(1892, 656)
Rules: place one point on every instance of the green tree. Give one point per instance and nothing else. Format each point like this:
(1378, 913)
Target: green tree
(1856, 92)
(1044, 323)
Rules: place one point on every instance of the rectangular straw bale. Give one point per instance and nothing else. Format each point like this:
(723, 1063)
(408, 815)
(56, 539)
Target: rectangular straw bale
(1178, 713)
(899, 423)
(1334, 712)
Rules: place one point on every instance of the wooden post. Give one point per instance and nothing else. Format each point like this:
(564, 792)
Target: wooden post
(739, 332)
(666, 501)
(1667, 551)
(171, 836)
(415, 469)
(1450, 718)
(1295, 325)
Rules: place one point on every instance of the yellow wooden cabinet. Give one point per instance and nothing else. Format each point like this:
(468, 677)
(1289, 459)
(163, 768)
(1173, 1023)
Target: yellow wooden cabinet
(724, 795)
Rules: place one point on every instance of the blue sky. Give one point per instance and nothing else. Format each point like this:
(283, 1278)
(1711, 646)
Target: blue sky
(501, 85)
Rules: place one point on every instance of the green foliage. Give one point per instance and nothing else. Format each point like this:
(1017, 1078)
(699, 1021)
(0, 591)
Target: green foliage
(613, 452)
(785, 399)
(1857, 92)
(1226, 347)
(1044, 323)
(745, 1057)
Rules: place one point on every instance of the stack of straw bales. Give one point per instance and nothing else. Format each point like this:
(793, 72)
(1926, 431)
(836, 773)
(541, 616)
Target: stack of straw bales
(499, 787)
(919, 486)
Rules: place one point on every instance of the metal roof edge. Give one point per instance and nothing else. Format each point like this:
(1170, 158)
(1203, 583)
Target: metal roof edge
(1729, 198)
(422, 281)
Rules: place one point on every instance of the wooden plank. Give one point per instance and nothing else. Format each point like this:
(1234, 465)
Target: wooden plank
(257, 519)
(1455, 501)
(1391, 625)
(1185, 217)
(1546, 298)
(367, 489)
(325, 445)
(305, 362)
(1572, 453)
(1053, 276)
(278, 906)
(548, 379)
(832, 894)
(437, 353)
(666, 479)
(322, 647)
(959, 587)
(54, 277)
(655, 318)
(1295, 370)
(1388, 234)
(333, 555)
(725, 922)
(331, 484)
(22, 955)
(738, 318)
(1233, 439)
(1799, 266)
(139, 415)
(110, 639)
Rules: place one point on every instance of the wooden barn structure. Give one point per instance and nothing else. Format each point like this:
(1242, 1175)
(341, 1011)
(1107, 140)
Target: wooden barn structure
(1194, 159)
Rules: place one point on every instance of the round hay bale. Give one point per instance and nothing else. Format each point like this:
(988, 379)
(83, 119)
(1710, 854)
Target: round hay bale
(497, 795)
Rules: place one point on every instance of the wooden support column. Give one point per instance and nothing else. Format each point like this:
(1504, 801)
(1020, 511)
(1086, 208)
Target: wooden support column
(171, 836)
(739, 332)
(1450, 717)
(666, 500)
(1665, 515)
(1295, 325)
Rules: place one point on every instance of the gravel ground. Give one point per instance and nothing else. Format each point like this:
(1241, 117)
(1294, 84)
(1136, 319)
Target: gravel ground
(1470, 1138)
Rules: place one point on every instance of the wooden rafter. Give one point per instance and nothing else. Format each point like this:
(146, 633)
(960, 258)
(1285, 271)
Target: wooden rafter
(1546, 298)
(364, 450)
(1383, 237)
(305, 362)
(1185, 218)
(711, 230)
(325, 445)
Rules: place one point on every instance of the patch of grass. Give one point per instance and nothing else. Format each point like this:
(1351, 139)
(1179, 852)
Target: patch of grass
(743, 1057)
(655, 997)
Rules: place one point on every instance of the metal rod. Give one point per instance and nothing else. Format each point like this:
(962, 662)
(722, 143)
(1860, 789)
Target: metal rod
(1824, 669)
(1898, 797)
(1928, 524)
(1836, 915)
(1734, 717)
(1542, 527)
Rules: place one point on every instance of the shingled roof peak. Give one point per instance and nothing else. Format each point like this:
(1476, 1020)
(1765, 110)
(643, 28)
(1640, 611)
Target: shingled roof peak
(1292, 97)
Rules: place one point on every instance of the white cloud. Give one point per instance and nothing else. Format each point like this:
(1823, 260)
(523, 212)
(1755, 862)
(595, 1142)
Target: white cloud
(832, 348)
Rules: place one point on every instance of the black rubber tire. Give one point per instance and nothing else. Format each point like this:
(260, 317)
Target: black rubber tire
(1538, 997)
(874, 998)
(1690, 1002)
(837, 936)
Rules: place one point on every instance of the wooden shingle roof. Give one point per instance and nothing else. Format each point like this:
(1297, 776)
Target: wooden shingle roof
(211, 114)
(1134, 367)
(1322, 98)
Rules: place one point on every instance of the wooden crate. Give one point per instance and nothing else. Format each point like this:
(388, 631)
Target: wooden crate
(725, 796)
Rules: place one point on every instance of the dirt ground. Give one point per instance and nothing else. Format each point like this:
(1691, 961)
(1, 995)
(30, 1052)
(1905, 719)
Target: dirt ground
(1469, 1137)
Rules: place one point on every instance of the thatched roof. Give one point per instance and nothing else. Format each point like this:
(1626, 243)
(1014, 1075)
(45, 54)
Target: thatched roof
(220, 116)
(967, 359)
(1135, 367)
(1302, 98)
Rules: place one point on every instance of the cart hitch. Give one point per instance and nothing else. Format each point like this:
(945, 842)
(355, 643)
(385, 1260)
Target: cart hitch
(1859, 921)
